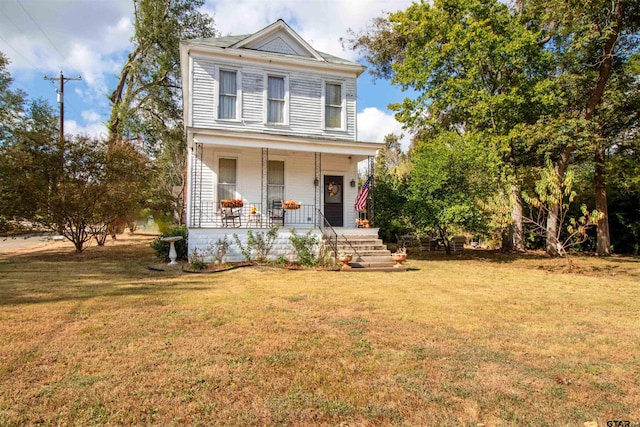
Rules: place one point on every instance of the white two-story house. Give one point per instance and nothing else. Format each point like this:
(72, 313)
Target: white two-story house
(268, 118)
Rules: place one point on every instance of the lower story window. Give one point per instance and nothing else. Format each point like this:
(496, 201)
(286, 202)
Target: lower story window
(275, 181)
(226, 179)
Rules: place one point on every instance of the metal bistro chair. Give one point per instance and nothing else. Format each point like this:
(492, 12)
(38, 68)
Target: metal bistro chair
(276, 213)
(230, 216)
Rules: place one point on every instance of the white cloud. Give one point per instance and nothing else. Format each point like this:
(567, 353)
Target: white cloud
(374, 125)
(96, 129)
(90, 116)
(320, 22)
(92, 38)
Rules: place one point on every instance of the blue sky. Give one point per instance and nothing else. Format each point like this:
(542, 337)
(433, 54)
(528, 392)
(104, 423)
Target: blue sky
(90, 39)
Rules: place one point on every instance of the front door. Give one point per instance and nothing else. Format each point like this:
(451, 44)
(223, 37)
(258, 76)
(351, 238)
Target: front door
(333, 198)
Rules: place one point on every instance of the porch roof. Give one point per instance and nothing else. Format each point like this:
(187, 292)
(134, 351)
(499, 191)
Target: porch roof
(281, 142)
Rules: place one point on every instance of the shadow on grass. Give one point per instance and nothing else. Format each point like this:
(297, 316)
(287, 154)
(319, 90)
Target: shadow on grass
(56, 275)
(476, 255)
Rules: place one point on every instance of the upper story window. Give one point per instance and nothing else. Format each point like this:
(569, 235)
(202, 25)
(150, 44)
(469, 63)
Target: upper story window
(277, 96)
(334, 106)
(228, 96)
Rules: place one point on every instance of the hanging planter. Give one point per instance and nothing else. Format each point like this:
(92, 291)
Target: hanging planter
(231, 203)
(291, 204)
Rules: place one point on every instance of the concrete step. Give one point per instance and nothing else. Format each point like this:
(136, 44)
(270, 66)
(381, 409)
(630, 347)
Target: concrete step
(360, 241)
(366, 251)
(369, 253)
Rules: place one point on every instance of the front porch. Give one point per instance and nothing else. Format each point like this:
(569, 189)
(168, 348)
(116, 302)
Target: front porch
(253, 215)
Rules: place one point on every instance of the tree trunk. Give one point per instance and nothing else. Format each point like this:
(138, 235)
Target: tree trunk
(553, 216)
(604, 239)
(517, 228)
(552, 230)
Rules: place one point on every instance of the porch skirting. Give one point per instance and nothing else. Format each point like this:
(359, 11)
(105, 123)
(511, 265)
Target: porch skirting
(203, 239)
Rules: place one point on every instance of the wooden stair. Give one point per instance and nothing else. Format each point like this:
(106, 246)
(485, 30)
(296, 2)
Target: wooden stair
(369, 253)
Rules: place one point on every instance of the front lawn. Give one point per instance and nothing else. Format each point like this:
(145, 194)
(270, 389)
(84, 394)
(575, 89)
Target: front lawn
(467, 339)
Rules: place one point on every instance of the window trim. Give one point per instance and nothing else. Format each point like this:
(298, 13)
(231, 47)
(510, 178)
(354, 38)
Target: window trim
(217, 93)
(343, 115)
(266, 99)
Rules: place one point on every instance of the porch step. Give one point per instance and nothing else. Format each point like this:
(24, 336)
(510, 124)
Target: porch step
(369, 253)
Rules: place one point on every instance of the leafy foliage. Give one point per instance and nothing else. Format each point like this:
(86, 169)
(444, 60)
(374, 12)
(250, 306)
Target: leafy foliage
(161, 249)
(258, 245)
(451, 176)
(305, 246)
(219, 249)
(78, 189)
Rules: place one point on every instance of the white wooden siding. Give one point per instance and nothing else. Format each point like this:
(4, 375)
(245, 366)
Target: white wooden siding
(305, 101)
(203, 108)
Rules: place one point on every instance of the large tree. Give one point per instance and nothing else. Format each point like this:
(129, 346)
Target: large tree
(591, 42)
(147, 99)
(96, 188)
(476, 68)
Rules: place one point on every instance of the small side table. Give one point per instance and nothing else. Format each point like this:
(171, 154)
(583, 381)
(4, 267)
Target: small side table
(255, 219)
(173, 255)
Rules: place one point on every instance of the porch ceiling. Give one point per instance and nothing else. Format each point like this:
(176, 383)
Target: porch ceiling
(282, 142)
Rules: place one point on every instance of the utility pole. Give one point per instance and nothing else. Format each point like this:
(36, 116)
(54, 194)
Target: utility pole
(60, 91)
(62, 80)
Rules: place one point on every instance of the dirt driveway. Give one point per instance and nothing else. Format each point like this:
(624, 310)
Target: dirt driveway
(31, 242)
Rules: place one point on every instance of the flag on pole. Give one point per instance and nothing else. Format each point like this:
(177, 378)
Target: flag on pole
(361, 200)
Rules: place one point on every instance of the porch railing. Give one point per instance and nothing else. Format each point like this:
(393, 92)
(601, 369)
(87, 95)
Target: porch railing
(253, 215)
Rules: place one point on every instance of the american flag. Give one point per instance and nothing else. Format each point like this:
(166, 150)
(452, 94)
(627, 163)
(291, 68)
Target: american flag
(361, 200)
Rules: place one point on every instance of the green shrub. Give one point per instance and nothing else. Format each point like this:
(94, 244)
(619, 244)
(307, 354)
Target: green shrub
(196, 260)
(259, 244)
(305, 246)
(219, 249)
(161, 248)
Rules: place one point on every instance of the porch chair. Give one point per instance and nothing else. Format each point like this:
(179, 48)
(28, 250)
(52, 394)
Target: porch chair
(276, 213)
(230, 216)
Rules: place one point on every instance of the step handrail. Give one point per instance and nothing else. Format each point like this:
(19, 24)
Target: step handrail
(333, 238)
(334, 245)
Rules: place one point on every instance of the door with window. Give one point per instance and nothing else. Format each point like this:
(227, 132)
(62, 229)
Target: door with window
(333, 200)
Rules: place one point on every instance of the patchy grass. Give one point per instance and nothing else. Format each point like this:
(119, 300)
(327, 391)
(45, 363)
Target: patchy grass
(478, 337)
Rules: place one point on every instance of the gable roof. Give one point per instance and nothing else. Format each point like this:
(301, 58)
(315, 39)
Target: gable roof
(277, 38)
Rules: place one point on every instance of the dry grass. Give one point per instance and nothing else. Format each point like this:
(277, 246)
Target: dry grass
(469, 339)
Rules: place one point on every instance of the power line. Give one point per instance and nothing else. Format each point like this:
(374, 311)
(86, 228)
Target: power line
(21, 55)
(41, 30)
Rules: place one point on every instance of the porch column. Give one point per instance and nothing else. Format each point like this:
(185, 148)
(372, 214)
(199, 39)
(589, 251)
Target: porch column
(371, 192)
(317, 181)
(265, 183)
(196, 186)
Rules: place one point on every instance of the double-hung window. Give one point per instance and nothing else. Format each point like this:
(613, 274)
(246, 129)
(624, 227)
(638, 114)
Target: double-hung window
(276, 99)
(275, 181)
(226, 178)
(333, 106)
(228, 97)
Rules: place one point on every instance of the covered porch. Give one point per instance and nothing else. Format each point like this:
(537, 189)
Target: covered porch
(241, 181)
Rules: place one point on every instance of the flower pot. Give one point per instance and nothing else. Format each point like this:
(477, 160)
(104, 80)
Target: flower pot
(345, 260)
(399, 259)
